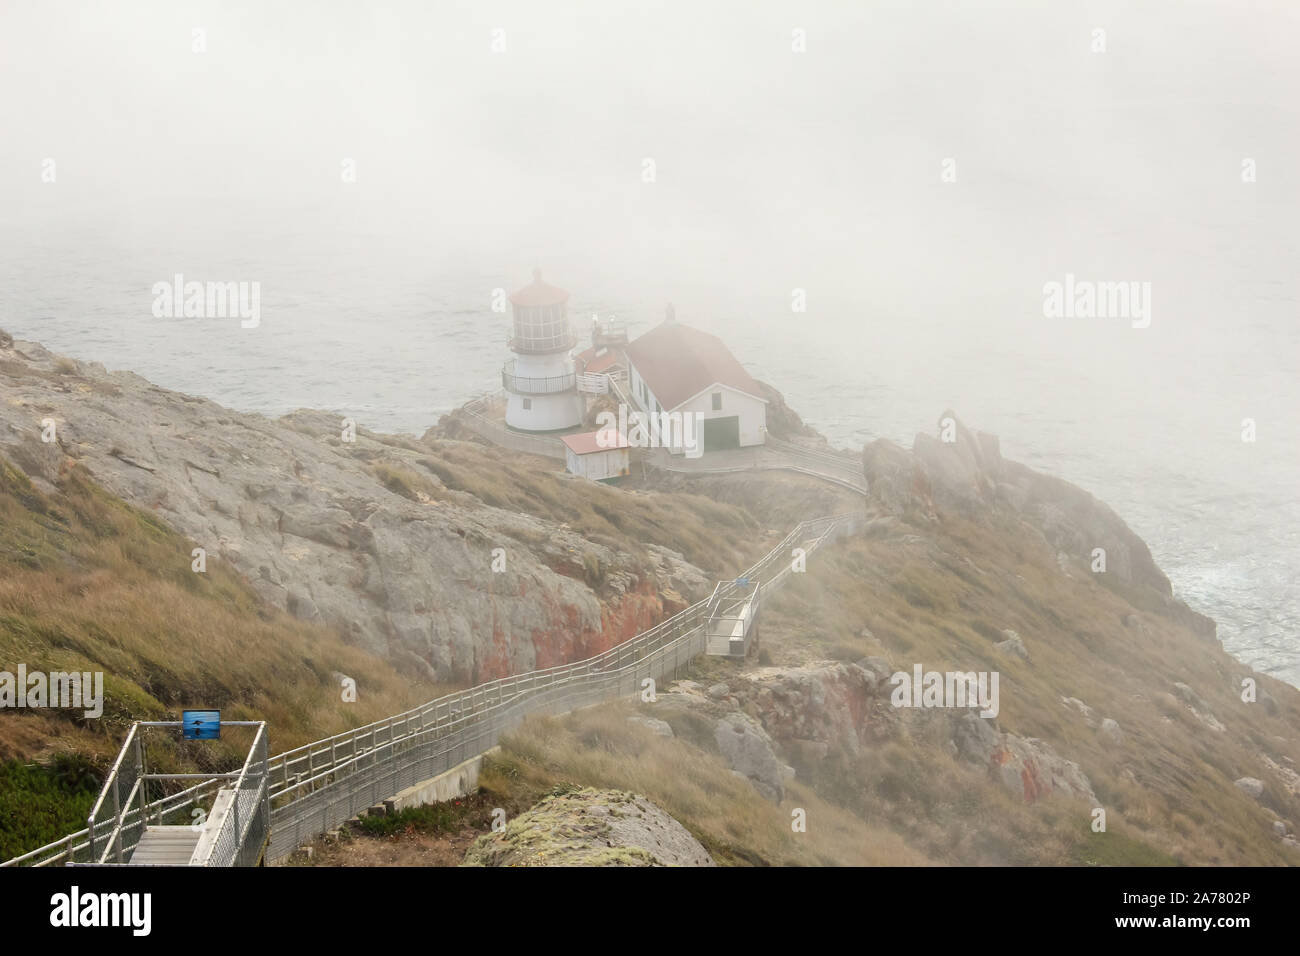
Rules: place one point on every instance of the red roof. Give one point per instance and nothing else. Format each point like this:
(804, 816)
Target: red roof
(592, 363)
(586, 443)
(539, 293)
(678, 362)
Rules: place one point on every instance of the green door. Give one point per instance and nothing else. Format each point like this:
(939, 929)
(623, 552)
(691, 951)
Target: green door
(720, 433)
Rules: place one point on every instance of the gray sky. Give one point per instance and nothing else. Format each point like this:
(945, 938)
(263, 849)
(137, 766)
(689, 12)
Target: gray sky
(832, 156)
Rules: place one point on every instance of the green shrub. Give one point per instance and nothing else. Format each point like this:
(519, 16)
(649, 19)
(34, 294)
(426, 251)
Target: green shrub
(39, 804)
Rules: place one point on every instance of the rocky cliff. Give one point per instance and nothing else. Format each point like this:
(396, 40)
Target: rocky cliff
(962, 472)
(387, 539)
(1124, 735)
(456, 560)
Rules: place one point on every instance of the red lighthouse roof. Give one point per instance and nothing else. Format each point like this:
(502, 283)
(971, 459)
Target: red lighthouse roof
(539, 293)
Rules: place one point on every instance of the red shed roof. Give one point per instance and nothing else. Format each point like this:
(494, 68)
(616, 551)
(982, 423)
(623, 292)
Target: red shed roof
(539, 293)
(586, 443)
(678, 362)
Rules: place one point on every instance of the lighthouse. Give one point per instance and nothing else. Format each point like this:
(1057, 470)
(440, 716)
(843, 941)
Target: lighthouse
(541, 387)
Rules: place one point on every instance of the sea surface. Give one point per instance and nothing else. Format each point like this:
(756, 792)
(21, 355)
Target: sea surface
(395, 332)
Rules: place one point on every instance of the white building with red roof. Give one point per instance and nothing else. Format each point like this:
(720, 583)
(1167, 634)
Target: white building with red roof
(674, 368)
(600, 456)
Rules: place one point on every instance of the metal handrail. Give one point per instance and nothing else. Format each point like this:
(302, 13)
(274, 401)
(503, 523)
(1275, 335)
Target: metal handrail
(114, 840)
(112, 777)
(372, 770)
(497, 433)
(533, 385)
(280, 764)
(829, 453)
(230, 843)
(834, 469)
(465, 723)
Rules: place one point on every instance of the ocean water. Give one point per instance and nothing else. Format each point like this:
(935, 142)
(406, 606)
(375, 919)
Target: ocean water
(395, 332)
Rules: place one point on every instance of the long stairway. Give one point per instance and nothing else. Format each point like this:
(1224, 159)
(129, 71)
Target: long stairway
(273, 805)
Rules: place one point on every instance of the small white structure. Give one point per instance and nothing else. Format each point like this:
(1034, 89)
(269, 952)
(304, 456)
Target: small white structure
(676, 369)
(586, 457)
(540, 381)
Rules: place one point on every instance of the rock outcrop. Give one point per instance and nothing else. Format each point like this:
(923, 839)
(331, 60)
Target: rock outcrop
(963, 472)
(782, 420)
(1026, 766)
(808, 710)
(354, 533)
(807, 713)
(590, 828)
(748, 750)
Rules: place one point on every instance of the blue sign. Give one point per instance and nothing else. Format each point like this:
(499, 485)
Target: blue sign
(742, 582)
(201, 724)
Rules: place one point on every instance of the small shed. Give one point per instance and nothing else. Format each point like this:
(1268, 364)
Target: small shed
(600, 456)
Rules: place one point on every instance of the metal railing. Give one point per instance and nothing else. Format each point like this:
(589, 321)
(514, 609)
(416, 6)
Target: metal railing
(835, 469)
(318, 786)
(122, 812)
(114, 826)
(242, 832)
(495, 431)
(831, 456)
(80, 846)
(731, 621)
(533, 385)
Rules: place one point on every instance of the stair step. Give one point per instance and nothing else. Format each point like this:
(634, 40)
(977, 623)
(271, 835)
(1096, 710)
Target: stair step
(166, 846)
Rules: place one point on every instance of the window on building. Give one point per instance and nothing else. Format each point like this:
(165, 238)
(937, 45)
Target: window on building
(528, 404)
(717, 401)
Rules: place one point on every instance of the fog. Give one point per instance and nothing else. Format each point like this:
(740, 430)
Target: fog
(773, 169)
(489, 138)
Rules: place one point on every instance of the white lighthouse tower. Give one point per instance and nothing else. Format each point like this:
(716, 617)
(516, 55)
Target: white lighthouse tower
(540, 384)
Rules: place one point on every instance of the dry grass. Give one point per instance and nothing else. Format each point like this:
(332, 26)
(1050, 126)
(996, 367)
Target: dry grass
(407, 483)
(90, 584)
(597, 747)
(722, 538)
(941, 597)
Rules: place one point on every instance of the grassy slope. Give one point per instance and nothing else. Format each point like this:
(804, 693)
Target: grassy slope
(597, 747)
(941, 600)
(1167, 789)
(89, 584)
(713, 535)
(941, 596)
(87, 581)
